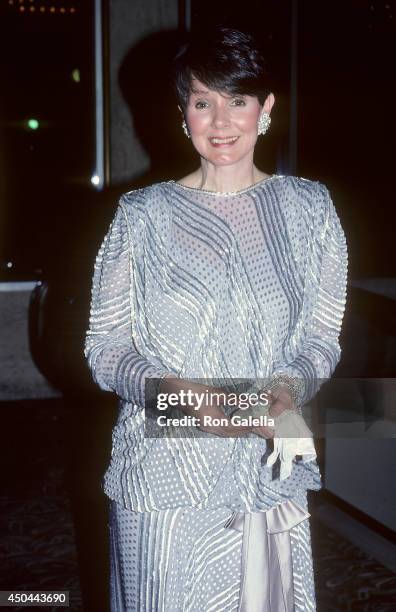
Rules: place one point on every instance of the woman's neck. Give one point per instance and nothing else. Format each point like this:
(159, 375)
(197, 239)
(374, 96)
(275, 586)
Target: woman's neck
(223, 178)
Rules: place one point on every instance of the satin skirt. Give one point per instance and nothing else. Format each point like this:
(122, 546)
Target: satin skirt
(210, 560)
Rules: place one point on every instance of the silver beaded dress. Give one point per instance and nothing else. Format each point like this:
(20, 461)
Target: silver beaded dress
(209, 286)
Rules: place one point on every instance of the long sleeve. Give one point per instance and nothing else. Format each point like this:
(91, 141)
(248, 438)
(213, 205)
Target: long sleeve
(321, 350)
(115, 364)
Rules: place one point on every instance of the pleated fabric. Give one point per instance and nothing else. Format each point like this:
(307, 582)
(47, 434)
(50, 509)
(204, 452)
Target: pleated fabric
(185, 560)
(174, 560)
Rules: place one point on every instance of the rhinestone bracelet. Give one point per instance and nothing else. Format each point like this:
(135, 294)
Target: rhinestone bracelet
(293, 385)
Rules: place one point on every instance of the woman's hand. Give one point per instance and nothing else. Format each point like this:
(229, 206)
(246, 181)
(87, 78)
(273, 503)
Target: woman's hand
(211, 409)
(280, 400)
(263, 431)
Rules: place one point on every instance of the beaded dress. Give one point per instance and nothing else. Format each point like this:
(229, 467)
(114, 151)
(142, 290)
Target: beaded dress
(215, 286)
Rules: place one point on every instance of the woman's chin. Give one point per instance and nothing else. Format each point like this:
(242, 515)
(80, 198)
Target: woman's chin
(223, 158)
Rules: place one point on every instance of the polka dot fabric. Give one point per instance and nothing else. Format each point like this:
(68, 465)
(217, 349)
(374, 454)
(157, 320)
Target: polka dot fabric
(210, 286)
(185, 560)
(174, 560)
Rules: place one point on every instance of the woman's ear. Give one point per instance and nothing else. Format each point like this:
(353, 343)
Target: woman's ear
(269, 103)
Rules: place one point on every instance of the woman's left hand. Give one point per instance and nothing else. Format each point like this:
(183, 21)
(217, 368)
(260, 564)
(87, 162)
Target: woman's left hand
(280, 400)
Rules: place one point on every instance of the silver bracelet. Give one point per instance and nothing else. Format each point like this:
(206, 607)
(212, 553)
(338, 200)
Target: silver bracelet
(293, 385)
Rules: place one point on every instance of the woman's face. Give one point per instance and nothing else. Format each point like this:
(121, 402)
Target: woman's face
(223, 127)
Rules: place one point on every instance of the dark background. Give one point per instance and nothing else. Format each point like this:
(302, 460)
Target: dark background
(39, 51)
(345, 122)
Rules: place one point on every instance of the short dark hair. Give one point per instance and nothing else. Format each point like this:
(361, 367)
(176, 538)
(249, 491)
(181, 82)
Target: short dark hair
(223, 59)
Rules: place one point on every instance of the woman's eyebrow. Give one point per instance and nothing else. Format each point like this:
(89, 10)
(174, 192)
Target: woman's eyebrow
(203, 92)
(199, 91)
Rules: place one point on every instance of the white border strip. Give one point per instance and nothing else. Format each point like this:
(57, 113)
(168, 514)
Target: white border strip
(99, 102)
(19, 286)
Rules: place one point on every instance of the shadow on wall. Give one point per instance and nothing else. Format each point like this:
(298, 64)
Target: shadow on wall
(145, 79)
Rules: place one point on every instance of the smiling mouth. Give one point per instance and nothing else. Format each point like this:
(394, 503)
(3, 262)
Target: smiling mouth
(223, 141)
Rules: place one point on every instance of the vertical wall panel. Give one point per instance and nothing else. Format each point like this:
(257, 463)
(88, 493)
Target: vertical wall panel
(129, 23)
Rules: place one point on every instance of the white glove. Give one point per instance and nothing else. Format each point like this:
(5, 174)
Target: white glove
(292, 437)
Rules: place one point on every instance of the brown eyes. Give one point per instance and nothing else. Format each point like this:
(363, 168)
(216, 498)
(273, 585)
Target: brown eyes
(234, 102)
(239, 102)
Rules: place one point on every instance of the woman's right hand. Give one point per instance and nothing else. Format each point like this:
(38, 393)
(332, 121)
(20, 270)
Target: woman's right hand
(209, 412)
(212, 411)
(264, 431)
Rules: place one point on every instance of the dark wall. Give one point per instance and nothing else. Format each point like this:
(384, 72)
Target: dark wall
(345, 117)
(346, 101)
(38, 53)
(346, 120)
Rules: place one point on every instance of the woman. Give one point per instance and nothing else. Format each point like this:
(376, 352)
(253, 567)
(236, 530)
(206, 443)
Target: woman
(228, 273)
